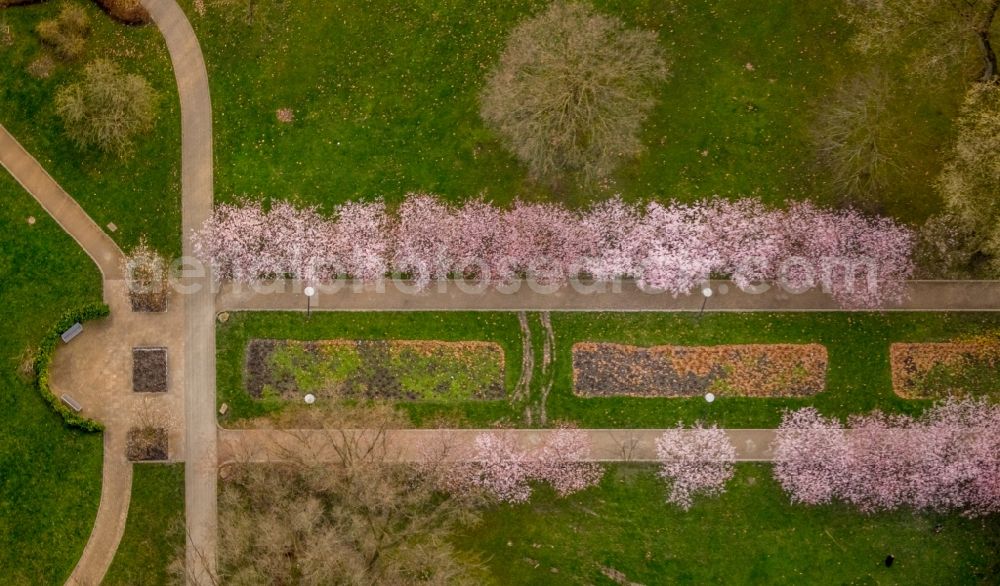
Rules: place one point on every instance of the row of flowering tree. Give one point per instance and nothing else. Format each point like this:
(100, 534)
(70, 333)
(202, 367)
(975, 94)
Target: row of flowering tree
(946, 459)
(861, 261)
(502, 470)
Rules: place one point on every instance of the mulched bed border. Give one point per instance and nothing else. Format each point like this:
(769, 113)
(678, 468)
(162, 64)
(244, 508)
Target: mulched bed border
(909, 361)
(619, 370)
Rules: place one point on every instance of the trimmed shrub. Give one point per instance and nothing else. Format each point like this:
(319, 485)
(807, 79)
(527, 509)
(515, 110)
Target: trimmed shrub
(47, 347)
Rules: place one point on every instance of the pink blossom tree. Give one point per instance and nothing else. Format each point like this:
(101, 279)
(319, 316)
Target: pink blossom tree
(860, 261)
(695, 461)
(423, 244)
(564, 462)
(543, 242)
(498, 467)
(811, 456)
(501, 469)
(945, 459)
(360, 242)
(674, 248)
(609, 230)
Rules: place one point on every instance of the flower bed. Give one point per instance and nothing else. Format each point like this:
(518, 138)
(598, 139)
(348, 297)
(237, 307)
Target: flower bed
(375, 369)
(938, 369)
(752, 370)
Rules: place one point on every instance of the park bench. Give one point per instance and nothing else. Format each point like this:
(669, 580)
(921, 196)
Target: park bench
(72, 332)
(71, 402)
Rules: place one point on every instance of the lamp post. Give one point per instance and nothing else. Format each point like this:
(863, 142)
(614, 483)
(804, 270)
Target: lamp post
(309, 291)
(706, 292)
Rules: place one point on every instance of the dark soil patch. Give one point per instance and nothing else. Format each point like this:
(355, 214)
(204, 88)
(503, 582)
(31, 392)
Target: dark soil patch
(148, 302)
(149, 370)
(759, 370)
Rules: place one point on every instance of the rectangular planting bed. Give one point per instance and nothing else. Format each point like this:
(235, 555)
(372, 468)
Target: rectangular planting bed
(149, 370)
(375, 369)
(748, 370)
(934, 370)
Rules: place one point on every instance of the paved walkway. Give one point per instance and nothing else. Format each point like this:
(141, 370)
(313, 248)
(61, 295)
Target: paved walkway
(286, 295)
(411, 445)
(63, 208)
(95, 369)
(201, 473)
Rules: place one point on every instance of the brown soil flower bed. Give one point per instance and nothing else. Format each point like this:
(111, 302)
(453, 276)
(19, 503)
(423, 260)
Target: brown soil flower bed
(149, 370)
(146, 444)
(752, 370)
(933, 370)
(375, 369)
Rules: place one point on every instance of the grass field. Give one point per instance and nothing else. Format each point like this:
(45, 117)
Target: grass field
(50, 475)
(140, 195)
(385, 99)
(750, 535)
(858, 377)
(232, 338)
(154, 532)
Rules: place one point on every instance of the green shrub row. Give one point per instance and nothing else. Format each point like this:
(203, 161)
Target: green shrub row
(46, 349)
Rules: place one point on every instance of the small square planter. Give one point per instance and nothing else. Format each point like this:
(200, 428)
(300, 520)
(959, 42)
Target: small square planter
(149, 370)
(147, 444)
(147, 302)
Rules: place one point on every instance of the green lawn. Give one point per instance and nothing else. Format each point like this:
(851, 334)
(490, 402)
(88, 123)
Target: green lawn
(858, 377)
(750, 535)
(385, 97)
(50, 475)
(140, 195)
(154, 533)
(232, 338)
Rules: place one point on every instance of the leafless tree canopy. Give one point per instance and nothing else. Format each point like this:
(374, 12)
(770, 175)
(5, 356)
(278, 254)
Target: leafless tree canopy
(145, 272)
(572, 90)
(970, 181)
(853, 138)
(362, 520)
(107, 109)
(937, 34)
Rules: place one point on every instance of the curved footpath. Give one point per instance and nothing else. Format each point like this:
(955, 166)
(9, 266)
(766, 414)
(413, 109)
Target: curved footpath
(116, 474)
(201, 471)
(64, 210)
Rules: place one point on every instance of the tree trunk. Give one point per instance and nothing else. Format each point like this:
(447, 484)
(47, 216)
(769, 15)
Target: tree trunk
(986, 46)
(989, 58)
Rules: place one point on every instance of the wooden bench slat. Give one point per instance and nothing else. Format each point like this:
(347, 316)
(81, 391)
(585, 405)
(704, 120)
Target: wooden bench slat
(72, 403)
(72, 332)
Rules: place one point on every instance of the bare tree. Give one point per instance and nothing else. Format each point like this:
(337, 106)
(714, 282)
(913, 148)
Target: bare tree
(362, 519)
(572, 90)
(145, 272)
(970, 180)
(939, 34)
(853, 138)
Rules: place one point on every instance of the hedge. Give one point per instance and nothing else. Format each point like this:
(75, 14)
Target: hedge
(46, 349)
